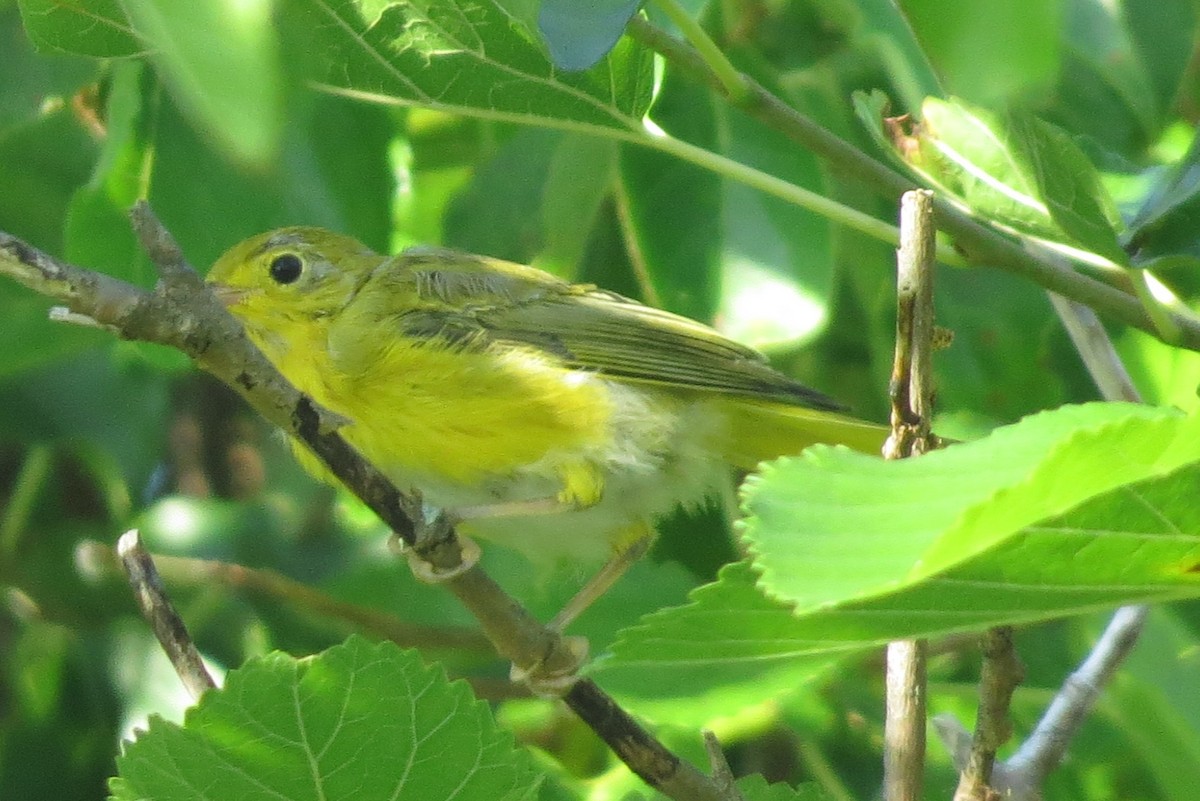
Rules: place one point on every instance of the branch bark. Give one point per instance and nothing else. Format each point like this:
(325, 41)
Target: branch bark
(1001, 674)
(180, 312)
(911, 391)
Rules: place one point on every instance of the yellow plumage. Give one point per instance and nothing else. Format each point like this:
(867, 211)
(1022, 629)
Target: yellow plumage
(561, 419)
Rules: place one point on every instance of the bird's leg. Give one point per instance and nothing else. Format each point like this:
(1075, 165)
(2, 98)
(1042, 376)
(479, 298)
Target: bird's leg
(531, 507)
(552, 681)
(582, 486)
(604, 579)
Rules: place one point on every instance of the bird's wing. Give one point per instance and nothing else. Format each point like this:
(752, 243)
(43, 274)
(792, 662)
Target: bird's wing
(473, 302)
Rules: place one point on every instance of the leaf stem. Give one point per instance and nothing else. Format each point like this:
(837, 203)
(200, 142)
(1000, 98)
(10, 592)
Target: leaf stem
(731, 78)
(770, 184)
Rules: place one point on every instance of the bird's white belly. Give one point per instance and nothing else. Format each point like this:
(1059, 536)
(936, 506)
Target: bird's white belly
(658, 454)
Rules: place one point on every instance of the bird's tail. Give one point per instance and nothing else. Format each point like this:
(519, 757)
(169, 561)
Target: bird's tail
(761, 430)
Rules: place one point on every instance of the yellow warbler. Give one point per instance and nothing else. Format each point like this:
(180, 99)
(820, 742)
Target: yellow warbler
(558, 418)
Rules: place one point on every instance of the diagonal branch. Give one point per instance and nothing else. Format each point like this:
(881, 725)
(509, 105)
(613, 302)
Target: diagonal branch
(182, 313)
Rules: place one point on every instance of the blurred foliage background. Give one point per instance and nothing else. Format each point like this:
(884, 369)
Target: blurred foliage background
(215, 114)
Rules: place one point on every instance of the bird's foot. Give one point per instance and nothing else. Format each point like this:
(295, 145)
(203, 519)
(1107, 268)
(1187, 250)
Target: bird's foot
(438, 553)
(555, 674)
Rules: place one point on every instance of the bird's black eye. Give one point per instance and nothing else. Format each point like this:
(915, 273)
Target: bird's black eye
(286, 269)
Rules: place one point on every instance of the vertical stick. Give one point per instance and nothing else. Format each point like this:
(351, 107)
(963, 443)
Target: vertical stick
(912, 402)
(1001, 674)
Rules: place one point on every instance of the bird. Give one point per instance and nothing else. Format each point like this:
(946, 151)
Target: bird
(556, 418)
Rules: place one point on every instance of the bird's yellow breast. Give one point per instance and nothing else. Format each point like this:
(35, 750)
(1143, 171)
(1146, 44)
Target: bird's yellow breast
(464, 417)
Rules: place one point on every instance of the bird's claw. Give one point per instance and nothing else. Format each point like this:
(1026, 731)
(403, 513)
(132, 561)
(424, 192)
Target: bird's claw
(435, 530)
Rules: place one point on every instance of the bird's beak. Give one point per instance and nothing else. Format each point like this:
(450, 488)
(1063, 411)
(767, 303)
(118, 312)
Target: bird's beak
(228, 295)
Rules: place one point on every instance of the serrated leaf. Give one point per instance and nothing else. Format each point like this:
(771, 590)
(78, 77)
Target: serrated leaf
(831, 528)
(579, 34)
(729, 648)
(358, 721)
(97, 28)
(1050, 517)
(473, 57)
(756, 788)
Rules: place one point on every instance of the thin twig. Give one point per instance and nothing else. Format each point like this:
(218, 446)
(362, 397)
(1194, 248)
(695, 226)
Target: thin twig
(166, 623)
(979, 243)
(719, 766)
(904, 723)
(1001, 674)
(637, 748)
(732, 81)
(1045, 747)
(911, 393)
(184, 571)
(1096, 349)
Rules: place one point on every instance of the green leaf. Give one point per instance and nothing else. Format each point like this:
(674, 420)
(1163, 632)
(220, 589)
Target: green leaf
(1166, 375)
(1061, 498)
(45, 154)
(47, 405)
(1169, 215)
(98, 28)
(1014, 170)
(965, 151)
(579, 179)
(1153, 685)
(1069, 185)
(990, 53)
(475, 58)
(579, 34)
(358, 721)
(728, 649)
(886, 34)
(756, 788)
(210, 201)
(1122, 69)
(673, 206)
(221, 60)
(1009, 357)
(500, 211)
(777, 258)
(97, 228)
(1083, 508)
(31, 340)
